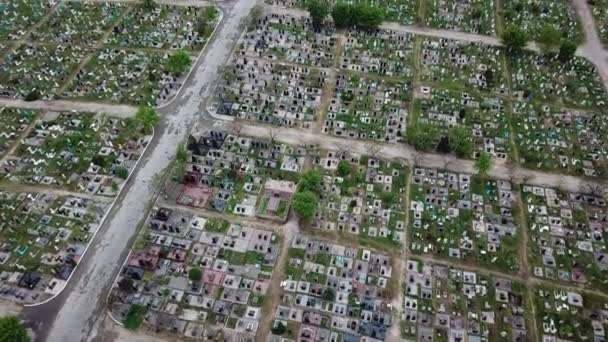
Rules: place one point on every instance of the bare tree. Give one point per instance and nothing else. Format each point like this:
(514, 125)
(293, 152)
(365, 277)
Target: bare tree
(417, 158)
(595, 189)
(272, 134)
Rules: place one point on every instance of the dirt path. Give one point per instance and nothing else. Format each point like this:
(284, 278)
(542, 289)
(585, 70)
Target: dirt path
(12, 187)
(119, 111)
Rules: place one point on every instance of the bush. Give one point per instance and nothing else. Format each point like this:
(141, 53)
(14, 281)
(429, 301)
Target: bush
(122, 172)
(33, 95)
(514, 38)
(279, 329)
(483, 164)
(423, 136)
(311, 181)
(305, 205)
(179, 62)
(195, 274)
(363, 16)
(135, 317)
(11, 330)
(343, 168)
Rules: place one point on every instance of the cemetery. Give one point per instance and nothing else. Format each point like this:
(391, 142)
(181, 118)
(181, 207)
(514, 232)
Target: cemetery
(124, 76)
(599, 9)
(38, 71)
(42, 239)
(564, 315)
(369, 107)
(575, 83)
(533, 16)
(79, 23)
(473, 16)
(334, 293)
(562, 140)
(82, 152)
(165, 27)
(99, 51)
(383, 52)
(457, 64)
(442, 303)
(187, 273)
(19, 16)
(270, 92)
(362, 196)
(464, 217)
(291, 39)
(13, 122)
(483, 117)
(567, 241)
(239, 175)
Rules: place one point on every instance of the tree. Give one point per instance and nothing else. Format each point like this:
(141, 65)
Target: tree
(549, 38)
(11, 330)
(181, 156)
(126, 285)
(135, 317)
(122, 172)
(179, 62)
(305, 205)
(343, 168)
(362, 15)
(423, 136)
(566, 51)
(318, 10)
(341, 14)
(514, 38)
(311, 181)
(148, 4)
(483, 164)
(146, 118)
(461, 141)
(195, 274)
(329, 294)
(279, 328)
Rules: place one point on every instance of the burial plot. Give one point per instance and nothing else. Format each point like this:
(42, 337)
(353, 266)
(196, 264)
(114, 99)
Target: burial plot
(559, 139)
(81, 151)
(473, 16)
(164, 27)
(484, 115)
(270, 92)
(13, 122)
(18, 17)
(457, 64)
(567, 241)
(464, 217)
(533, 15)
(124, 76)
(383, 52)
(41, 69)
(290, 39)
(42, 238)
(571, 315)
(467, 303)
(574, 84)
(79, 23)
(355, 283)
(369, 107)
(195, 270)
(362, 196)
(228, 173)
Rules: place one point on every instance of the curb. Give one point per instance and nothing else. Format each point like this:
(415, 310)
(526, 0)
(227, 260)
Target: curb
(203, 51)
(101, 223)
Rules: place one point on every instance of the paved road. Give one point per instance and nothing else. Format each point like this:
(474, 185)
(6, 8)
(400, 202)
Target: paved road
(81, 304)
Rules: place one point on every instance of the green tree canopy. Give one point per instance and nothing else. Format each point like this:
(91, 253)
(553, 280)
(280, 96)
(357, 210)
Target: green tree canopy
(195, 274)
(279, 329)
(305, 205)
(135, 317)
(461, 141)
(549, 38)
(311, 181)
(483, 164)
(343, 168)
(360, 15)
(146, 118)
(514, 38)
(423, 136)
(567, 50)
(179, 62)
(148, 4)
(11, 330)
(318, 10)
